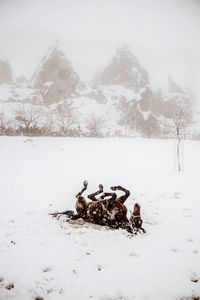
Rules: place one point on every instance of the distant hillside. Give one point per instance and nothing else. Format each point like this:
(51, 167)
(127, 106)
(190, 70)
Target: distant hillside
(55, 76)
(124, 69)
(119, 102)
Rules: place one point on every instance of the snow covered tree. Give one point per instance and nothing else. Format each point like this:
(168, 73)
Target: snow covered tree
(127, 115)
(66, 116)
(176, 100)
(132, 118)
(151, 127)
(4, 122)
(146, 100)
(179, 115)
(95, 124)
(28, 116)
(180, 120)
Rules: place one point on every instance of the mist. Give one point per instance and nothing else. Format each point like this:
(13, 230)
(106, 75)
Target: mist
(163, 35)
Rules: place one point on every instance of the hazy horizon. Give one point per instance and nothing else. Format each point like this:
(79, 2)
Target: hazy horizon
(163, 35)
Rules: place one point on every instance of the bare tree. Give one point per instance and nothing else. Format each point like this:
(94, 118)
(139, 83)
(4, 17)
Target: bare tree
(181, 118)
(180, 125)
(95, 125)
(67, 118)
(176, 124)
(4, 122)
(27, 115)
(48, 126)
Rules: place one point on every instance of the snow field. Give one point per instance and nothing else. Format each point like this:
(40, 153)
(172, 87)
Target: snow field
(49, 259)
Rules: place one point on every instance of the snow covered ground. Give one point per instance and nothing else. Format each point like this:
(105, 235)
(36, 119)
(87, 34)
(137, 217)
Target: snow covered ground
(43, 258)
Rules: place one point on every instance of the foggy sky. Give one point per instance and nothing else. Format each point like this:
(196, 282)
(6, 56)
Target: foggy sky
(163, 34)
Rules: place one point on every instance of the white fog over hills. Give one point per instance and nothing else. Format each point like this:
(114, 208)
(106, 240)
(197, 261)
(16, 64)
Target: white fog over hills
(117, 69)
(119, 101)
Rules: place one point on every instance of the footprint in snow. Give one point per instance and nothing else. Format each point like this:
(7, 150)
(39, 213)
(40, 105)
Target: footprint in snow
(47, 269)
(44, 285)
(11, 221)
(150, 222)
(61, 291)
(194, 278)
(10, 286)
(99, 267)
(174, 250)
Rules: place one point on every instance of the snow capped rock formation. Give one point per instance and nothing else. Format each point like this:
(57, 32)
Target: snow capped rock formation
(55, 76)
(125, 70)
(125, 83)
(120, 101)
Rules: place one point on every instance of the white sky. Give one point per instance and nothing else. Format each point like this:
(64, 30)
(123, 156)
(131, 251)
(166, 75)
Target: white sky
(163, 34)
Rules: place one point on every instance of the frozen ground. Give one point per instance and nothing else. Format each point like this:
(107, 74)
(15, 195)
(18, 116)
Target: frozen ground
(42, 258)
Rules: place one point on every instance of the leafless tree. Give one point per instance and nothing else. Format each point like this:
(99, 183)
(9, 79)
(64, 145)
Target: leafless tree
(67, 118)
(4, 122)
(181, 119)
(48, 126)
(27, 115)
(176, 124)
(95, 125)
(180, 124)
